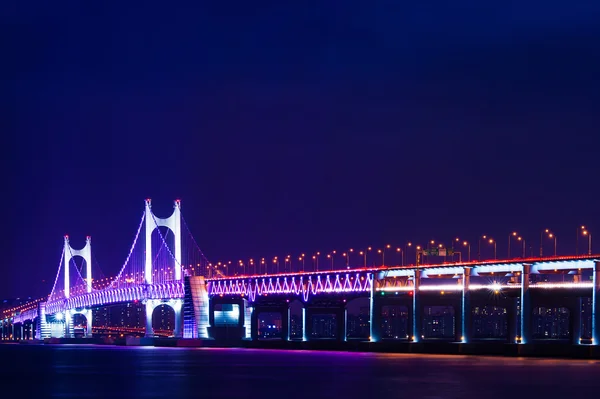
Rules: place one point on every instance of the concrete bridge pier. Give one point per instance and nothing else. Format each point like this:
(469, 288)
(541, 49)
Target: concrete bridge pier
(89, 326)
(417, 317)
(512, 321)
(596, 304)
(175, 304)
(376, 304)
(575, 321)
(526, 308)
(466, 312)
(68, 331)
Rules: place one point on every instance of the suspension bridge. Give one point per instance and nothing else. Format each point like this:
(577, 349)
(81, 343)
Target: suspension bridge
(165, 266)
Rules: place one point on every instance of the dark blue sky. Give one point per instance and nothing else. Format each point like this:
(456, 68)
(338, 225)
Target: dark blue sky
(294, 128)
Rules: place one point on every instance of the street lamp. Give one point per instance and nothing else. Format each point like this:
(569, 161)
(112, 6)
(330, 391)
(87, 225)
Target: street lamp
(331, 257)
(365, 255)
(401, 255)
(514, 234)
(589, 235)
(522, 239)
(479, 247)
(550, 235)
(348, 258)
(406, 250)
(492, 241)
(418, 249)
(388, 246)
(468, 245)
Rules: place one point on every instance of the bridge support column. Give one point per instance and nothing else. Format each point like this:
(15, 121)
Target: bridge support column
(149, 310)
(254, 325)
(526, 307)
(285, 323)
(375, 312)
(416, 308)
(177, 306)
(342, 322)
(512, 321)
(466, 311)
(575, 321)
(68, 324)
(247, 327)
(304, 335)
(596, 305)
(89, 325)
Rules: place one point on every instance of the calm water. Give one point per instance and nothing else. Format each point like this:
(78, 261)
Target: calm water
(147, 372)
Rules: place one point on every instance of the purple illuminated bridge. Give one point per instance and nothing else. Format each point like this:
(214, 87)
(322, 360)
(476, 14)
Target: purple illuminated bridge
(165, 266)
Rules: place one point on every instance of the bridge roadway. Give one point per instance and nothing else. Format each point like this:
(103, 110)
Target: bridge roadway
(327, 292)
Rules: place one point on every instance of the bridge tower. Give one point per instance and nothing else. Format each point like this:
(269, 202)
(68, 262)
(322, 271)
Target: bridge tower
(86, 254)
(173, 223)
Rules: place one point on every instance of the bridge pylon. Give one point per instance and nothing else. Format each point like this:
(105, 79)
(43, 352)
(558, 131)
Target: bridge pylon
(173, 223)
(86, 254)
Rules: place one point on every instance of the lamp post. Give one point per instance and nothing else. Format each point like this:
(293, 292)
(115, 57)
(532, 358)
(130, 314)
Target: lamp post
(551, 236)
(379, 251)
(349, 252)
(468, 245)
(409, 244)
(388, 246)
(368, 249)
(589, 235)
(513, 234)
(331, 257)
(401, 255)
(492, 241)
(547, 231)
(479, 247)
(522, 239)
(418, 249)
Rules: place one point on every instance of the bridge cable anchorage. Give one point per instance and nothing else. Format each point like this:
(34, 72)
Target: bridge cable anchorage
(118, 277)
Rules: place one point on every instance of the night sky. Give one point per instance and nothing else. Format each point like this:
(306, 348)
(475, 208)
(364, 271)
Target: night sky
(289, 128)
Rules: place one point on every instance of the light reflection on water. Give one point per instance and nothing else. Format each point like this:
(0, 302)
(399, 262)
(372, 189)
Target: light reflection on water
(145, 372)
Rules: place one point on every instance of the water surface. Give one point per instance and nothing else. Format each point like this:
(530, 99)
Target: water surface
(82, 371)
